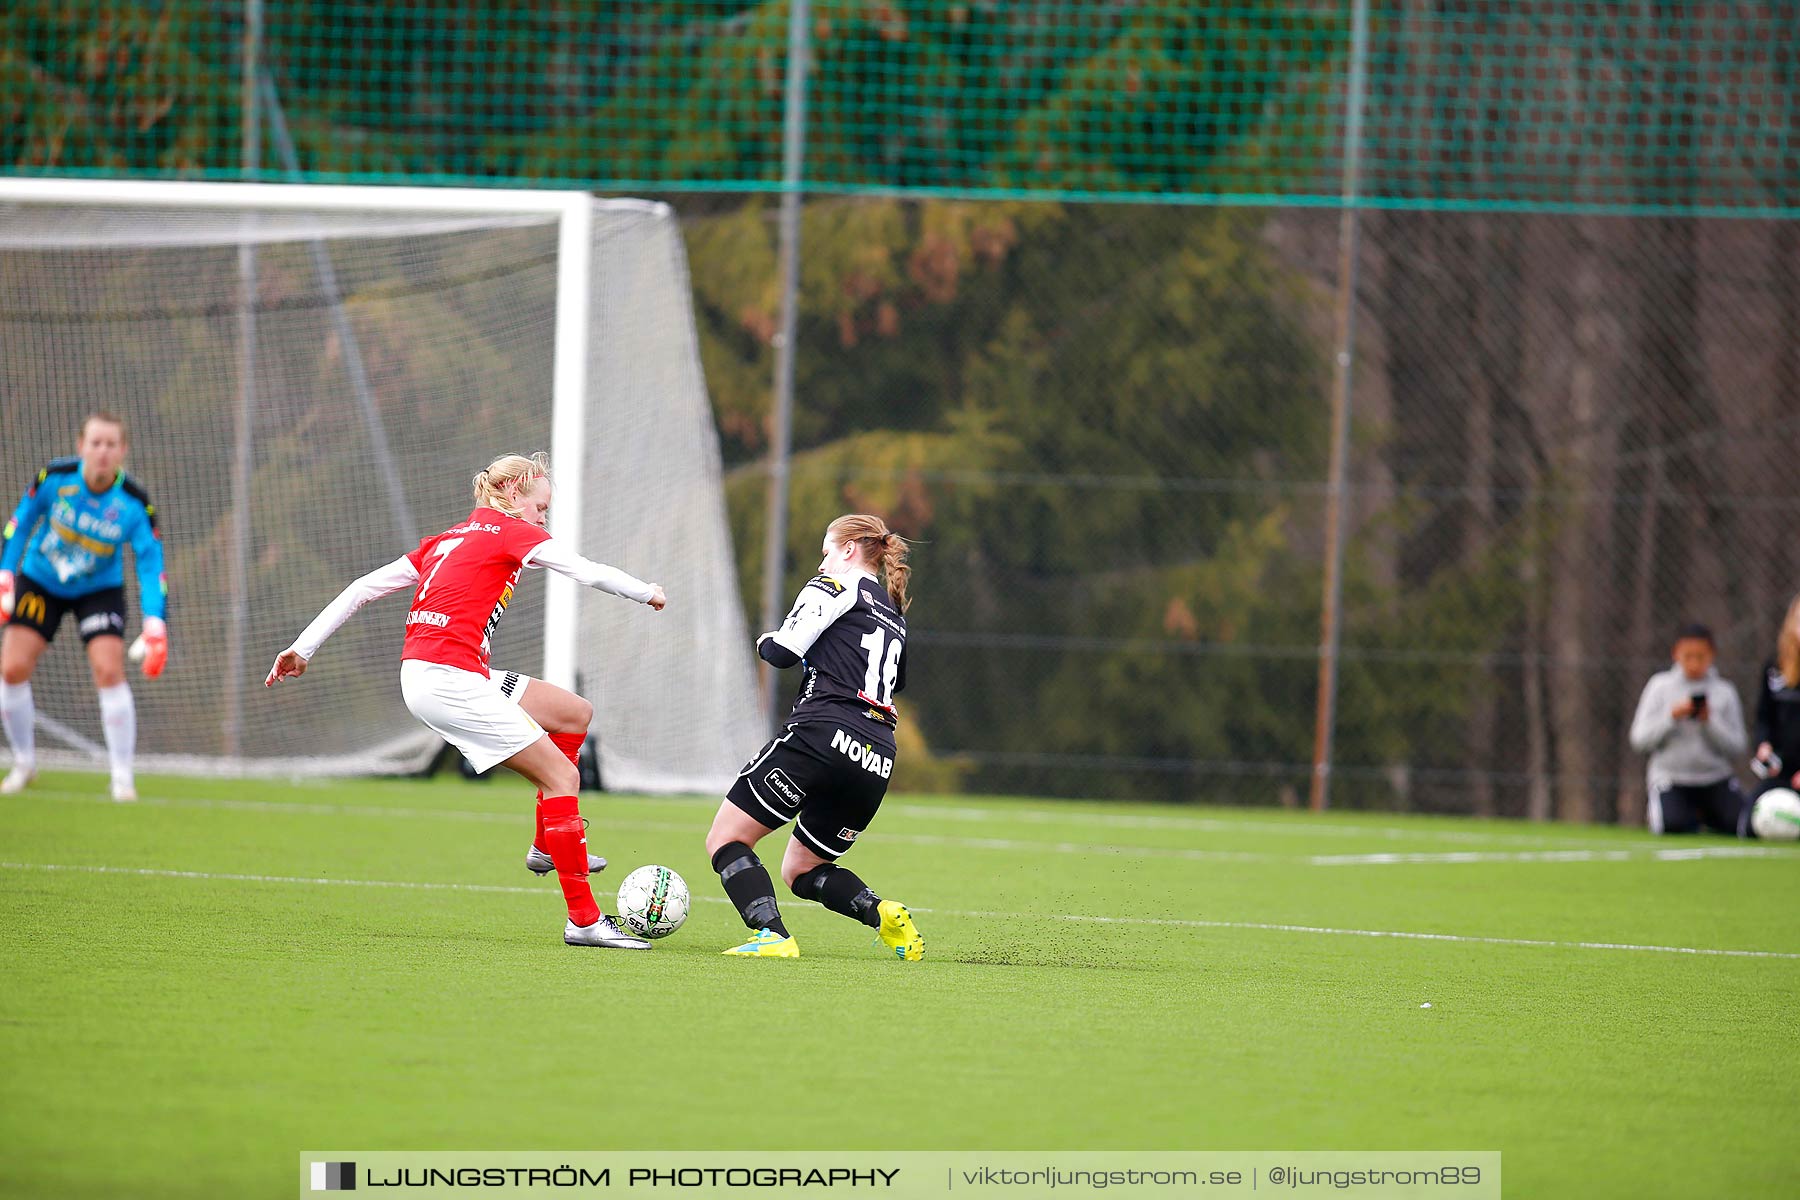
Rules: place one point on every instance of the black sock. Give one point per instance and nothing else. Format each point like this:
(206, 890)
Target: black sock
(748, 884)
(838, 889)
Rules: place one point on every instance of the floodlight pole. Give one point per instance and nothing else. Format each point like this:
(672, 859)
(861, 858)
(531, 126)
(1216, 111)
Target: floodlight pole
(243, 455)
(781, 436)
(1331, 621)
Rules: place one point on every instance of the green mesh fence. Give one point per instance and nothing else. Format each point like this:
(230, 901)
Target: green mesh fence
(1106, 425)
(1533, 104)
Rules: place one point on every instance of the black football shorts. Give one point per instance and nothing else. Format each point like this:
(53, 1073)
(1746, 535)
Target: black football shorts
(826, 780)
(97, 614)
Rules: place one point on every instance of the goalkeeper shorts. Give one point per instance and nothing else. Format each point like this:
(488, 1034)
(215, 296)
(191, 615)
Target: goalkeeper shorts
(472, 712)
(97, 614)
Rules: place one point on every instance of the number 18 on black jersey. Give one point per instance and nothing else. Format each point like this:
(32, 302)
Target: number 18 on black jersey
(852, 641)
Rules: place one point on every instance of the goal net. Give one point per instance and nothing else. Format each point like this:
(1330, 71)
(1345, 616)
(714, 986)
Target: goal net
(310, 376)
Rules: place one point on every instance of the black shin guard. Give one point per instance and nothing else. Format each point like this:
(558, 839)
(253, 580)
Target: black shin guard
(748, 884)
(838, 889)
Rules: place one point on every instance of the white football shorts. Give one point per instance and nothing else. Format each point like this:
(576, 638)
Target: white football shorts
(478, 714)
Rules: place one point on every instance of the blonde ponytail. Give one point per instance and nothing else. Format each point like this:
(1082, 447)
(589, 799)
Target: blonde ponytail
(512, 473)
(884, 550)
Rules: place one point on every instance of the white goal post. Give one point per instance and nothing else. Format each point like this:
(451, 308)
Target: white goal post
(420, 319)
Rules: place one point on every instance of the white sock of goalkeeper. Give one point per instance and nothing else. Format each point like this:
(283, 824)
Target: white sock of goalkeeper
(118, 716)
(17, 714)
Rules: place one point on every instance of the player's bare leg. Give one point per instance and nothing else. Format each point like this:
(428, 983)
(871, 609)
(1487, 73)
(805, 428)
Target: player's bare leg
(813, 878)
(19, 651)
(557, 709)
(545, 765)
(729, 844)
(565, 717)
(118, 712)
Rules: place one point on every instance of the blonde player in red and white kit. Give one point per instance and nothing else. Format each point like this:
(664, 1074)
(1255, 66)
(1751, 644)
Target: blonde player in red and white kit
(463, 580)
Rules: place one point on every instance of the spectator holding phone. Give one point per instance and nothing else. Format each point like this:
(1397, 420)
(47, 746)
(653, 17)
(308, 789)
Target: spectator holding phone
(1777, 759)
(1691, 724)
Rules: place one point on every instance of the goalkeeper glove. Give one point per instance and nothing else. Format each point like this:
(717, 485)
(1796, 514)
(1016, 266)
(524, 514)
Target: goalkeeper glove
(6, 595)
(152, 647)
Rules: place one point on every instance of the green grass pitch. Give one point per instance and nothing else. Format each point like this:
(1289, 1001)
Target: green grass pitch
(201, 985)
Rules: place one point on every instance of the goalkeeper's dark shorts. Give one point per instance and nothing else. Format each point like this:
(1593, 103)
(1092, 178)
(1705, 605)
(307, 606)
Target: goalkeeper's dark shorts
(97, 614)
(825, 779)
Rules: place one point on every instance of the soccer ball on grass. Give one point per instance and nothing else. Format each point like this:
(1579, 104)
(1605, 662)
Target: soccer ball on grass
(1776, 817)
(653, 902)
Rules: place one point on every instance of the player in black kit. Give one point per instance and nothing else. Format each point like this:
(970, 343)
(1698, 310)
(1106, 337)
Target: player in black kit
(829, 768)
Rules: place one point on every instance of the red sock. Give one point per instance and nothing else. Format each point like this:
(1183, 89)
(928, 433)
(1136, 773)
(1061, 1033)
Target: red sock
(566, 843)
(570, 745)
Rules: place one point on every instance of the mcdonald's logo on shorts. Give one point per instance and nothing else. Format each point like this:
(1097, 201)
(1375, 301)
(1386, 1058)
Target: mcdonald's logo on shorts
(31, 607)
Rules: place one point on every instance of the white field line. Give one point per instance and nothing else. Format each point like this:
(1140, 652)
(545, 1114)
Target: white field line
(1005, 816)
(1297, 828)
(603, 823)
(1452, 858)
(1377, 933)
(310, 880)
(1088, 848)
(1638, 854)
(1166, 922)
(1227, 825)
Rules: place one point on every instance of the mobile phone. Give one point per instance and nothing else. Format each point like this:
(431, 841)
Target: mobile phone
(1699, 700)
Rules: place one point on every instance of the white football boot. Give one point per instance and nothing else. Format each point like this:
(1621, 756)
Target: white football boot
(602, 933)
(124, 789)
(539, 863)
(17, 780)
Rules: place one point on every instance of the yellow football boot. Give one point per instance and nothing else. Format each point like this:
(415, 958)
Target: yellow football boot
(768, 944)
(899, 932)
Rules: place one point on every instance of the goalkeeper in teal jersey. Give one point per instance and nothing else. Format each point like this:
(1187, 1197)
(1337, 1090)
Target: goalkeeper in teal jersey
(63, 555)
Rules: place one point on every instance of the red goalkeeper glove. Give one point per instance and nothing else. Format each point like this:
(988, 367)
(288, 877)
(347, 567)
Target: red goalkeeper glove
(152, 647)
(6, 596)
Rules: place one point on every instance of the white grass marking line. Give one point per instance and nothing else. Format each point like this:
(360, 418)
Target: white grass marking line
(1297, 828)
(1448, 858)
(314, 880)
(1636, 853)
(1378, 933)
(299, 807)
(1300, 827)
(1166, 922)
(1089, 848)
(1641, 854)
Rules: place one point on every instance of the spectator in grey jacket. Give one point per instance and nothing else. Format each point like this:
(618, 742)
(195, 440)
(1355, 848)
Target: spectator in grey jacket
(1691, 724)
